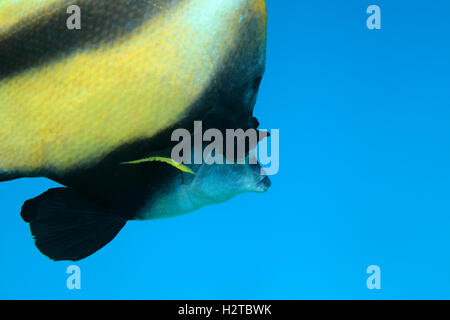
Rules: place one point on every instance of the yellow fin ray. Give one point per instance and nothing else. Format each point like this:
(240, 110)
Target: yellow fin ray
(170, 161)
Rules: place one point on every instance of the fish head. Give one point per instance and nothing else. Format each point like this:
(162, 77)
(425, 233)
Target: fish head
(218, 183)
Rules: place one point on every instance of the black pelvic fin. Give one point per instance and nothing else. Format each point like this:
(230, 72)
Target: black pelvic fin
(66, 226)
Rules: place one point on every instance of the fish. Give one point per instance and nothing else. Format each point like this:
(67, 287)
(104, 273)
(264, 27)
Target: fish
(89, 107)
(70, 225)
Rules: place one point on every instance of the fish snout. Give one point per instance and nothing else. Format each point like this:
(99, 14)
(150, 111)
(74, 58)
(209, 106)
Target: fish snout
(264, 184)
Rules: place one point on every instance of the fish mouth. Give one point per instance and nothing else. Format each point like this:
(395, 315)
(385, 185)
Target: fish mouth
(264, 184)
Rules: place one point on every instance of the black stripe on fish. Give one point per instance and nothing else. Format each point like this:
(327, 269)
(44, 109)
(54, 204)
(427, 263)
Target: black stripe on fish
(44, 37)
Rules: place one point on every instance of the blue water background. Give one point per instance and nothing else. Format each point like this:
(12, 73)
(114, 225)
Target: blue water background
(364, 119)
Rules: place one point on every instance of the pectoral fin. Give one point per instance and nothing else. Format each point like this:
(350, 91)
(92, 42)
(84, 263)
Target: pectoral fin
(66, 226)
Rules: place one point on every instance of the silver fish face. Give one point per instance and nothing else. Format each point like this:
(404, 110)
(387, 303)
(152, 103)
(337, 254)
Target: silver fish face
(220, 182)
(212, 184)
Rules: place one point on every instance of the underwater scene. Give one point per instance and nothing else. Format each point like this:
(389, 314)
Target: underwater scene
(224, 150)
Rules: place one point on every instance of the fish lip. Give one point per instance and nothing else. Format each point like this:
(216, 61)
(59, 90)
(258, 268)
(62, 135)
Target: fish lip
(264, 184)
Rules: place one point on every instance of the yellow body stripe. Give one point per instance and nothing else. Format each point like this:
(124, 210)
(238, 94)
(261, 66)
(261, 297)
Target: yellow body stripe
(14, 11)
